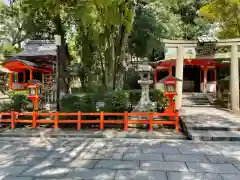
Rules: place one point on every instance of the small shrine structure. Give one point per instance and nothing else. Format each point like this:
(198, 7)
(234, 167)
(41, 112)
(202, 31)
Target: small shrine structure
(196, 63)
(36, 62)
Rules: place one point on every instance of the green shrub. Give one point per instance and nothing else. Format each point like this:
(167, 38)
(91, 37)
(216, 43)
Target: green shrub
(18, 101)
(73, 103)
(116, 101)
(131, 78)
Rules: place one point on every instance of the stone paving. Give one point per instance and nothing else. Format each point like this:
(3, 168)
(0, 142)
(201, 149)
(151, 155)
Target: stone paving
(117, 159)
(209, 117)
(210, 124)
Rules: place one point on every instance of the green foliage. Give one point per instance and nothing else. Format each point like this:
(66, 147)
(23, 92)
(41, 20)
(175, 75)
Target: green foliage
(73, 103)
(225, 14)
(8, 49)
(131, 80)
(164, 19)
(116, 102)
(18, 102)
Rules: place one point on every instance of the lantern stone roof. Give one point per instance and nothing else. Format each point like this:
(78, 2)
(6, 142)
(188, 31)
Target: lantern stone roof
(168, 77)
(38, 48)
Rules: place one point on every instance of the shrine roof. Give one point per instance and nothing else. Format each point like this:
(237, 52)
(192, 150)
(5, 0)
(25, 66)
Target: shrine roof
(16, 65)
(38, 48)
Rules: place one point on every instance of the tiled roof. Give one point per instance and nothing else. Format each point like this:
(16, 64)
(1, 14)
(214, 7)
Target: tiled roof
(38, 48)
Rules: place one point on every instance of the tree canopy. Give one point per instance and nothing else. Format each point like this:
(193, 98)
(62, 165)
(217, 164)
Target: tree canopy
(225, 14)
(98, 35)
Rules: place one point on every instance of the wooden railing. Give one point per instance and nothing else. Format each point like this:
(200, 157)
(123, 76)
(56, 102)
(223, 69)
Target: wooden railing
(35, 118)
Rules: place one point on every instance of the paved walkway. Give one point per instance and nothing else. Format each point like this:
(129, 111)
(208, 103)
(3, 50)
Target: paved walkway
(117, 159)
(209, 117)
(210, 124)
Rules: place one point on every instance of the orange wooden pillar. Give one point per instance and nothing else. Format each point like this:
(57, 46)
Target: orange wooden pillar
(10, 81)
(24, 76)
(170, 68)
(31, 74)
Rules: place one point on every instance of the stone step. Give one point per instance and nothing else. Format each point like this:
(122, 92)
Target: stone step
(195, 102)
(203, 135)
(196, 105)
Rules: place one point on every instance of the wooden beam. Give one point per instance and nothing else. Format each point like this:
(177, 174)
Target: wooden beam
(10, 81)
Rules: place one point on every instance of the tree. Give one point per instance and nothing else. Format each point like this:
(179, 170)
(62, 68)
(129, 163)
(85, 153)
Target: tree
(193, 24)
(54, 13)
(12, 22)
(225, 14)
(103, 27)
(153, 22)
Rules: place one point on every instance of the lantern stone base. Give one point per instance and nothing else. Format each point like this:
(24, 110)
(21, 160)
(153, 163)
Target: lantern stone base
(145, 104)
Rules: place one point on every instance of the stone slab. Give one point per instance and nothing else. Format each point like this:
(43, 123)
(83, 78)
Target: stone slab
(230, 176)
(161, 150)
(33, 154)
(28, 161)
(212, 168)
(116, 164)
(93, 174)
(199, 150)
(47, 172)
(228, 148)
(185, 158)
(12, 170)
(140, 175)
(80, 163)
(163, 166)
(17, 178)
(237, 166)
(115, 156)
(207, 135)
(142, 157)
(223, 159)
(209, 118)
(192, 176)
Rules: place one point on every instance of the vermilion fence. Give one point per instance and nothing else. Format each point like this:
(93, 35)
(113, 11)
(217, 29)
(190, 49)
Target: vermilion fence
(35, 118)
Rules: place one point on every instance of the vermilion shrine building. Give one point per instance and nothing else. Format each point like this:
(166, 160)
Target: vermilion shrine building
(36, 62)
(196, 64)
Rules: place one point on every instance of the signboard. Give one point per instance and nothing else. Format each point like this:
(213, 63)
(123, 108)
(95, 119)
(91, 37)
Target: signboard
(100, 104)
(171, 53)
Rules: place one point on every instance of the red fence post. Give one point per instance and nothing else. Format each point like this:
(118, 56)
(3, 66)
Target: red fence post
(34, 120)
(56, 120)
(150, 121)
(79, 121)
(101, 120)
(125, 121)
(177, 121)
(13, 119)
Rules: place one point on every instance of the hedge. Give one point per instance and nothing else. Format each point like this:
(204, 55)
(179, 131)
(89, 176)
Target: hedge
(18, 101)
(117, 101)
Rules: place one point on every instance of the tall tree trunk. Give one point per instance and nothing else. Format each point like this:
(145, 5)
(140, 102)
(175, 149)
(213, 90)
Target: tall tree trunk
(64, 57)
(121, 57)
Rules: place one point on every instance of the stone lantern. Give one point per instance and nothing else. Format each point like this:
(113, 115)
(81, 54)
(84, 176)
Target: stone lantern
(145, 104)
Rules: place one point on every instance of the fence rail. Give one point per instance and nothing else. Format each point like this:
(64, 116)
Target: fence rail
(37, 118)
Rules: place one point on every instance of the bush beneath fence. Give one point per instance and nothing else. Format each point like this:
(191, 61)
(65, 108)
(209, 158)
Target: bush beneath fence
(117, 101)
(18, 102)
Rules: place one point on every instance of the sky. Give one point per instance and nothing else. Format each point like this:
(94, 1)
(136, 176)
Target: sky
(6, 1)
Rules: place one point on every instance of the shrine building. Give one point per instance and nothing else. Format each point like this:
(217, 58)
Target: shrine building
(196, 63)
(36, 62)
